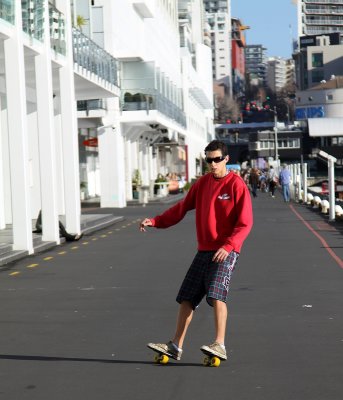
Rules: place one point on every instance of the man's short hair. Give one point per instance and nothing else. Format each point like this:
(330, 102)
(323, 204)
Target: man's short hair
(217, 145)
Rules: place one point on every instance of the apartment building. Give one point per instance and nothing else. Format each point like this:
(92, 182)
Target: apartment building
(47, 66)
(218, 16)
(65, 122)
(318, 58)
(278, 73)
(256, 63)
(317, 17)
(161, 121)
(238, 57)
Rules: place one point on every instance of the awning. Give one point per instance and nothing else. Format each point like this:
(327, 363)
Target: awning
(325, 126)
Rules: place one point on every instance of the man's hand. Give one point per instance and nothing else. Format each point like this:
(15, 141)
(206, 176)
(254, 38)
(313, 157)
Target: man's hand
(144, 223)
(220, 255)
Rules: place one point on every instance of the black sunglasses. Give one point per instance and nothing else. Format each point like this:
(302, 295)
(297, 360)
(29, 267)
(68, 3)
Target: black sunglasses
(214, 159)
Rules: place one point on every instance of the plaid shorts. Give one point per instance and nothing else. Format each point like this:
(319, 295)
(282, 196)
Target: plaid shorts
(207, 278)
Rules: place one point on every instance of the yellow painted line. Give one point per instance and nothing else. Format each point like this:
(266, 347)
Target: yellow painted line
(14, 273)
(103, 236)
(95, 239)
(62, 252)
(48, 258)
(84, 243)
(109, 232)
(75, 247)
(123, 226)
(32, 266)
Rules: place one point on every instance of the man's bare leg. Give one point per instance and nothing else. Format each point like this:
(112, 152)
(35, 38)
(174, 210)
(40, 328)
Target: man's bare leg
(220, 320)
(184, 318)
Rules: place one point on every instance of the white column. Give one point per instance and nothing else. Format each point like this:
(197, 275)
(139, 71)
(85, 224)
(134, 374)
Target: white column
(6, 184)
(46, 134)
(112, 167)
(128, 169)
(69, 132)
(304, 183)
(2, 189)
(332, 198)
(18, 133)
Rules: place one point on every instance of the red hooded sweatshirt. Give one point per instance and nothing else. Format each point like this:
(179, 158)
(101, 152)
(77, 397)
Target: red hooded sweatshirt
(223, 212)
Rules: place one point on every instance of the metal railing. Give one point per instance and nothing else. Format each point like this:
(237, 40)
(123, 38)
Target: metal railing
(324, 21)
(150, 99)
(32, 12)
(94, 58)
(324, 1)
(87, 105)
(57, 24)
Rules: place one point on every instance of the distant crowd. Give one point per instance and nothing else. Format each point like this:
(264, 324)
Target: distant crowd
(267, 180)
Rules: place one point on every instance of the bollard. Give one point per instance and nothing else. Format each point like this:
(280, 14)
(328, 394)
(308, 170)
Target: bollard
(316, 201)
(338, 211)
(325, 206)
(309, 198)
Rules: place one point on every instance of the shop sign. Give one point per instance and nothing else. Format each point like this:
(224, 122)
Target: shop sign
(309, 112)
(91, 142)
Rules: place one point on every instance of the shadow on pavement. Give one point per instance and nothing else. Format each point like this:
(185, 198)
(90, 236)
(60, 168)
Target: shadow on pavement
(96, 360)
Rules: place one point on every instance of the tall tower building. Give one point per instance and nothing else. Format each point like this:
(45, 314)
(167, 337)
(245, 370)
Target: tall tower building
(256, 63)
(218, 16)
(317, 17)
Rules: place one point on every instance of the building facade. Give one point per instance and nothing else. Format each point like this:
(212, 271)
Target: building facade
(238, 57)
(218, 16)
(318, 17)
(87, 103)
(48, 65)
(256, 63)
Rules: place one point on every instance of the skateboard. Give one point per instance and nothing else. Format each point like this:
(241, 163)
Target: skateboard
(161, 357)
(211, 360)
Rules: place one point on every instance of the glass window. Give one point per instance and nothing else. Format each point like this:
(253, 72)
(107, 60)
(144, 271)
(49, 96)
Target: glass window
(317, 60)
(317, 76)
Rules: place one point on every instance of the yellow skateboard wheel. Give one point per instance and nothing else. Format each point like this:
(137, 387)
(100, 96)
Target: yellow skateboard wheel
(211, 361)
(215, 362)
(161, 359)
(164, 359)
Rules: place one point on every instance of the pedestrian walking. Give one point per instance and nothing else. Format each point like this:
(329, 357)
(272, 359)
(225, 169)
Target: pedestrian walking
(273, 180)
(223, 221)
(285, 180)
(254, 180)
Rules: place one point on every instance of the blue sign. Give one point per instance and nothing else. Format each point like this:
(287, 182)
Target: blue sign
(309, 112)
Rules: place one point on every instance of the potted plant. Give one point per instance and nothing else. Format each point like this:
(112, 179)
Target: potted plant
(83, 190)
(136, 183)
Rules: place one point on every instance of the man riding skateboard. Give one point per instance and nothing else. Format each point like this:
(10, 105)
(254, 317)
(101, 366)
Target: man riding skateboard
(223, 221)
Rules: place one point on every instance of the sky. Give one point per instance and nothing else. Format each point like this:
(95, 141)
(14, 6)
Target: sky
(269, 22)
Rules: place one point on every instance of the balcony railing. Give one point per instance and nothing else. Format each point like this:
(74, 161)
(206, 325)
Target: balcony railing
(57, 30)
(147, 100)
(324, 11)
(324, 1)
(324, 21)
(33, 23)
(94, 58)
(32, 12)
(88, 105)
(7, 10)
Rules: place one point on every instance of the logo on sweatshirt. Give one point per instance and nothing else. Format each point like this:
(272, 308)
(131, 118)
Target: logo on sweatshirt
(224, 196)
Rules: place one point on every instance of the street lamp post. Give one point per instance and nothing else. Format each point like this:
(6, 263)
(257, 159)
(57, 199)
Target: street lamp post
(276, 138)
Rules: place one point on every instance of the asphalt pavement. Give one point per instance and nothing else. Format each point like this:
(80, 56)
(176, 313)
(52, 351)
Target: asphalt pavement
(75, 320)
